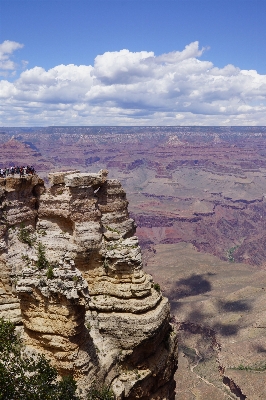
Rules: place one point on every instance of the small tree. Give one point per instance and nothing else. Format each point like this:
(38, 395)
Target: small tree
(157, 287)
(25, 236)
(50, 273)
(42, 261)
(28, 378)
(102, 393)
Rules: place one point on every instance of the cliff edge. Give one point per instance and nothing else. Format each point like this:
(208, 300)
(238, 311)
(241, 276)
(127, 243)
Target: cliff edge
(71, 272)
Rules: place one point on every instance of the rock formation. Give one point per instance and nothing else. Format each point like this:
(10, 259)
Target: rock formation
(79, 287)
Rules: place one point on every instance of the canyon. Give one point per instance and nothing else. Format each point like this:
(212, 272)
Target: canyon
(197, 195)
(204, 186)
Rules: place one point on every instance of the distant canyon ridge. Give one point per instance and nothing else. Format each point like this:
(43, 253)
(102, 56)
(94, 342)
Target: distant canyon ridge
(200, 185)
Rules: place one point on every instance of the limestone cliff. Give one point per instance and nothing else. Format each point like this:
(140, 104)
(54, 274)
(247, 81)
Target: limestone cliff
(79, 287)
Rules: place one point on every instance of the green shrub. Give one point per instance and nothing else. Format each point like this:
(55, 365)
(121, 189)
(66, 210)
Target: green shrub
(42, 261)
(106, 266)
(103, 393)
(189, 352)
(28, 378)
(258, 368)
(112, 229)
(230, 254)
(41, 232)
(50, 273)
(25, 236)
(157, 287)
(8, 339)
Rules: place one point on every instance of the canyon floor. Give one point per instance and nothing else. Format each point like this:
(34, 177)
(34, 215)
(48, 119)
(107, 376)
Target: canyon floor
(221, 308)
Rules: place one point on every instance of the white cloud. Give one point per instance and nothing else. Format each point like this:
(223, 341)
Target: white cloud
(137, 88)
(7, 48)
(121, 66)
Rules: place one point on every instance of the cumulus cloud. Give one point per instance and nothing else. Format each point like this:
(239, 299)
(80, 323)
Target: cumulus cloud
(134, 88)
(7, 48)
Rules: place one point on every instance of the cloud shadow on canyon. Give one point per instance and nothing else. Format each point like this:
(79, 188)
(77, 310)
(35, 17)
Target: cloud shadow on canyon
(226, 329)
(191, 286)
(234, 306)
(259, 349)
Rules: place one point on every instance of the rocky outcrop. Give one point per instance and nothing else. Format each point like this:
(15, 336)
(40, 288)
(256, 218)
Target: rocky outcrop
(53, 310)
(78, 282)
(18, 199)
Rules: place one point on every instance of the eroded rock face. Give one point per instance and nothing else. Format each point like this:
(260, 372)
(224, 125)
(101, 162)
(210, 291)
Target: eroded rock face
(85, 301)
(18, 205)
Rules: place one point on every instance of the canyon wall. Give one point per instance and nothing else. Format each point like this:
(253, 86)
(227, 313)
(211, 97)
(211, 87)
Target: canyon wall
(199, 185)
(71, 271)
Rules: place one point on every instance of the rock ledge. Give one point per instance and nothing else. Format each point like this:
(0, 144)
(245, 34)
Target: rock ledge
(71, 272)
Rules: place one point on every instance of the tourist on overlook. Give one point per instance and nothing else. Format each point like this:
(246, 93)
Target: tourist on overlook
(21, 171)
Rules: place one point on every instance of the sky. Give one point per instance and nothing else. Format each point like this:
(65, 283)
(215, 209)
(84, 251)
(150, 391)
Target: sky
(132, 62)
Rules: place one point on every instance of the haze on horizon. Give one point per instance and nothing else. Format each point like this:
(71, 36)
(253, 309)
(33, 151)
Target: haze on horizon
(132, 62)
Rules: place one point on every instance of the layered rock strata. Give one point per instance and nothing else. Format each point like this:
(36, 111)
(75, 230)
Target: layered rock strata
(85, 301)
(18, 208)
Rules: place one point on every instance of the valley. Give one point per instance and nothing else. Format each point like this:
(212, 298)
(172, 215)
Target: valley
(197, 195)
(199, 185)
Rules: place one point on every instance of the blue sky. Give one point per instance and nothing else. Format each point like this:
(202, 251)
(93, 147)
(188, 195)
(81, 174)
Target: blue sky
(52, 33)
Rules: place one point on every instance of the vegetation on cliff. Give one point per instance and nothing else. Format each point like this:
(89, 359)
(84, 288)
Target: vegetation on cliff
(25, 377)
(103, 393)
